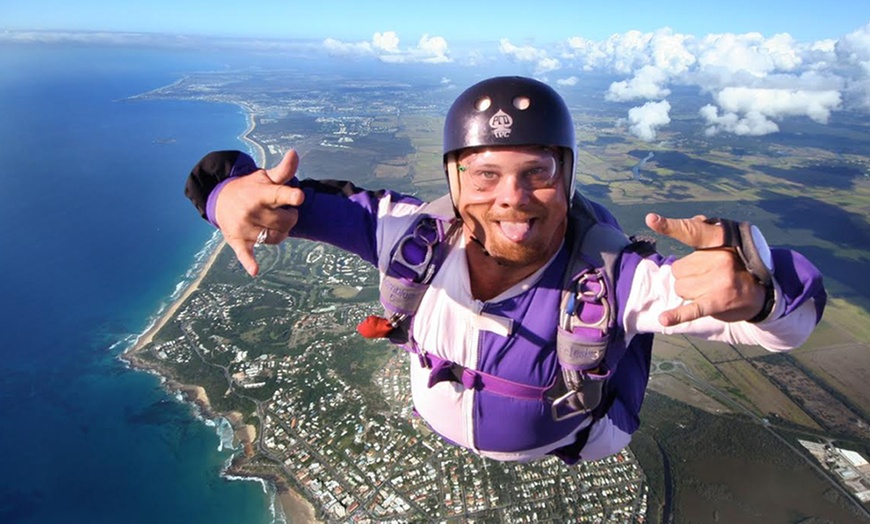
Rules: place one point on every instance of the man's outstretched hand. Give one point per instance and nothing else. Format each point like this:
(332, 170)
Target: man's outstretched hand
(712, 278)
(248, 205)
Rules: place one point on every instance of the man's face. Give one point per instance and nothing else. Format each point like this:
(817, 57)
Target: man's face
(513, 202)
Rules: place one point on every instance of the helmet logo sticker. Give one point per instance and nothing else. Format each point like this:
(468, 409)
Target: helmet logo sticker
(501, 123)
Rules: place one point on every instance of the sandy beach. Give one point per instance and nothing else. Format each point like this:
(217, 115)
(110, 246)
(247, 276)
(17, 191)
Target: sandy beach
(260, 157)
(148, 335)
(296, 509)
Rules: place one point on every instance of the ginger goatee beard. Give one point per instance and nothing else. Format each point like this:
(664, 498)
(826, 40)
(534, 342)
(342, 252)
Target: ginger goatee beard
(516, 255)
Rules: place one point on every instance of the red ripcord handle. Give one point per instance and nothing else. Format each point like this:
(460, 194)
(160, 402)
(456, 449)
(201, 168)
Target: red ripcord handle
(374, 327)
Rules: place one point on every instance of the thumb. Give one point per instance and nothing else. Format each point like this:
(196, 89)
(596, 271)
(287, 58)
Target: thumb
(693, 232)
(684, 313)
(286, 169)
(245, 254)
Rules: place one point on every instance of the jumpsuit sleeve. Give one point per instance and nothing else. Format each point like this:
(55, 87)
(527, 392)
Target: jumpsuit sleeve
(647, 289)
(336, 212)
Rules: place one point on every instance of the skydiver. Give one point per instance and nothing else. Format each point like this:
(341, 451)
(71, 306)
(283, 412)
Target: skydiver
(528, 314)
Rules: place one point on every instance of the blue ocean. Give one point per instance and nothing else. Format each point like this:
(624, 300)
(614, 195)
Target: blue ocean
(95, 237)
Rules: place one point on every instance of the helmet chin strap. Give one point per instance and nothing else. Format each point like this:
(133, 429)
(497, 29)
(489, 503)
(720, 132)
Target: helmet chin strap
(568, 174)
(485, 252)
(451, 167)
(482, 247)
(452, 170)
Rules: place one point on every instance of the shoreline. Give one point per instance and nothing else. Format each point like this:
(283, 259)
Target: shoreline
(295, 507)
(148, 335)
(246, 138)
(297, 510)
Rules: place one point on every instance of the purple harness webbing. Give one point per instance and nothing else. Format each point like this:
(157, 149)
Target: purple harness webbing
(443, 369)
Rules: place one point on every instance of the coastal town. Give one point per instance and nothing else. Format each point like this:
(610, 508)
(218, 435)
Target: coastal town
(329, 415)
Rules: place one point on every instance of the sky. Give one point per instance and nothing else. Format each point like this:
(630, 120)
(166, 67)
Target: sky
(760, 61)
(540, 21)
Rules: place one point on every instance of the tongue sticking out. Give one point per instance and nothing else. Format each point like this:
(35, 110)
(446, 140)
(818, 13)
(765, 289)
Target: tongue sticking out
(515, 231)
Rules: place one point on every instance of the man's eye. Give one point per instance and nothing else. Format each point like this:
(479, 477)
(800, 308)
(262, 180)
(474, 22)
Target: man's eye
(538, 173)
(487, 175)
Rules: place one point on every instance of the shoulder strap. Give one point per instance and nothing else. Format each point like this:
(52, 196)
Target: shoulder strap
(414, 260)
(587, 310)
(440, 208)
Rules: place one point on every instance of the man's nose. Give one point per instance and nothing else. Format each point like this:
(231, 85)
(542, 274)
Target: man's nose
(511, 191)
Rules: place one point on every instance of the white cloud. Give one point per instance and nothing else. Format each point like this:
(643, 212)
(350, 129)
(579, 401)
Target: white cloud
(748, 54)
(784, 52)
(627, 52)
(748, 111)
(546, 65)
(715, 56)
(752, 123)
(755, 80)
(539, 58)
(854, 48)
(853, 55)
(139, 39)
(337, 47)
(387, 42)
(621, 53)
(590, 55)
(386, 47)
(53, 37)
(778, 103)
(648, 82)
(434, 49)
(646, 119)
(670, 52)
(521, 53)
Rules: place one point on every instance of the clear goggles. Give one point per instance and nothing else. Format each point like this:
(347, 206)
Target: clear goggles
(538, 171)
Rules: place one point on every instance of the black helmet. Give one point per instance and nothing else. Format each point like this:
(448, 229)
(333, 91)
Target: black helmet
(509, 111)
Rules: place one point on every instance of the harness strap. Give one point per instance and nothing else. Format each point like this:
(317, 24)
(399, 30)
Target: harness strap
(586, 316)
(570, 454)
(442, 369)
(413, 263)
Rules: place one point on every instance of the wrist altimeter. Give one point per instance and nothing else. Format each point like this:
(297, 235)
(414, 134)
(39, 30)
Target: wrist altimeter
(751, 247)
(754, 253)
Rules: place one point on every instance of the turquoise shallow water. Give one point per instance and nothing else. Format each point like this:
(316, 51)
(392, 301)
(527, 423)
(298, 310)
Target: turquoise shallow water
(96, 235)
